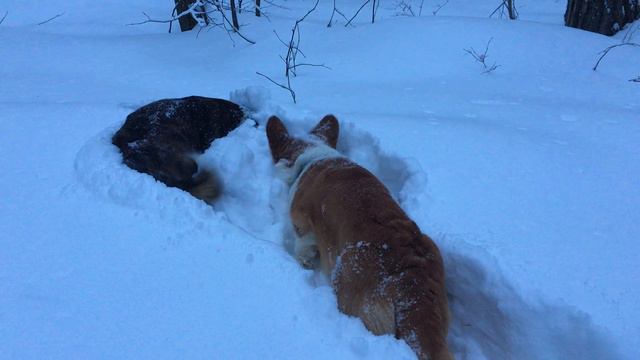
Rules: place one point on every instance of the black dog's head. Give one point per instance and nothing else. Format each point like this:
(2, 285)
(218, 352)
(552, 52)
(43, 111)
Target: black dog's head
(171, 167)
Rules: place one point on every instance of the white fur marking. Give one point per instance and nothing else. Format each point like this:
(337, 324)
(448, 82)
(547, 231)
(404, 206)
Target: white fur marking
(292, 174)
(306, 249)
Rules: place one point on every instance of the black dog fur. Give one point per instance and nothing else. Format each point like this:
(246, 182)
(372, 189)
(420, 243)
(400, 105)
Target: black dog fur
(161, 138)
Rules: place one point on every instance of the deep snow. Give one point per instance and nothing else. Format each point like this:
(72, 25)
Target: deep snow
(525, 177)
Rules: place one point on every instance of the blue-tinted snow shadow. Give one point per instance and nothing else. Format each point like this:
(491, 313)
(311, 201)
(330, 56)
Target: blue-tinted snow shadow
(491, 320)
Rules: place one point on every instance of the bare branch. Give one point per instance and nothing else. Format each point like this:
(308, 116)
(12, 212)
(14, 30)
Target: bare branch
(292, 51)
(405, 8)
(202, 17)
(290, 59)
(279, 38)
(308, 12)
(606, 51)
(357, 12)
(191, 11)
(50, 19)
(217, 4)
(286, 87)
(482, 58)
(438, 8)
(336, 11)
(509, 6)
(312, 65)
(4, 17)
(150, 20)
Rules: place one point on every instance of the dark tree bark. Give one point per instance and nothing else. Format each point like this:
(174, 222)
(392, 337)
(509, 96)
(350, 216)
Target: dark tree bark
(234, 15)
(512, 10)
(258, 8)
(606, 17)
(187, 22)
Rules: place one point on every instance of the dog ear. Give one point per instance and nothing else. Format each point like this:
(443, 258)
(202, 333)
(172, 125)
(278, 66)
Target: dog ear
(278, 137)
(328, 130)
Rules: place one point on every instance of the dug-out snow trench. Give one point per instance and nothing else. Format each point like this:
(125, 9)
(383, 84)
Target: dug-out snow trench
(490, 320)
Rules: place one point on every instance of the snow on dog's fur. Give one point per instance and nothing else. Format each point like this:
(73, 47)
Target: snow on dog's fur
(382, 268)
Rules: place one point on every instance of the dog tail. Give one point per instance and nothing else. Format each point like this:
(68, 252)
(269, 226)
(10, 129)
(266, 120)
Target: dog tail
(206, 186)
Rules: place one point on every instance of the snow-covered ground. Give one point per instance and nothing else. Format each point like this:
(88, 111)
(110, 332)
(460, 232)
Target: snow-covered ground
(526, 177)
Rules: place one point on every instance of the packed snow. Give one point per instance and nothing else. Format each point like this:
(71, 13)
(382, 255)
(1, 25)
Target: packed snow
(526, 177)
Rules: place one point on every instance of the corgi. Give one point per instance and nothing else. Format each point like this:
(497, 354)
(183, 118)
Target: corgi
(383, 269)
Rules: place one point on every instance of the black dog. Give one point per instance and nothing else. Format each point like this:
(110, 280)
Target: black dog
(162, 137)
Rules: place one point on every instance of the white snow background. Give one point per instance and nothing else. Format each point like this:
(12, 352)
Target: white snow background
(526, 177)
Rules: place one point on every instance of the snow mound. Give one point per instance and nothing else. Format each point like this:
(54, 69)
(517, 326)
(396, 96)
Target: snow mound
(252, 98)
(491, 320)
(99, 168)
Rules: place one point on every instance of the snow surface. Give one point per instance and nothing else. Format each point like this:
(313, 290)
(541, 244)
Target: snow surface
(527, 178)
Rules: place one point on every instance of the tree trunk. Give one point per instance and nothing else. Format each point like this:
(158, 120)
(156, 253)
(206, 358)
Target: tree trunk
(258, 8)
(373, 12)
(187, 22)
(512, 10)
(234, 15)
(606, 17)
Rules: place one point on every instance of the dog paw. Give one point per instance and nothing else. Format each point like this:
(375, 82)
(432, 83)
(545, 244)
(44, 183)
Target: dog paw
(307, 257)
(306, 263)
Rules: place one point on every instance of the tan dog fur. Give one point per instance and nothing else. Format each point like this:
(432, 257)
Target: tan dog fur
(382, 268)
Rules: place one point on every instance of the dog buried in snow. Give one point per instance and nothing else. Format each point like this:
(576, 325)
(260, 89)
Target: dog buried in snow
(383, 269)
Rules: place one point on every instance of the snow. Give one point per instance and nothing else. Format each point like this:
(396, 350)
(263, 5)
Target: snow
(525, 177)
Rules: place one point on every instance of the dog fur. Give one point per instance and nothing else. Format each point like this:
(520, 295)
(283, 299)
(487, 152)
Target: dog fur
(162, 138)
(382, 268)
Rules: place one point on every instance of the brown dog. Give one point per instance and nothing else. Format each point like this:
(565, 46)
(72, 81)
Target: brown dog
(382, 268)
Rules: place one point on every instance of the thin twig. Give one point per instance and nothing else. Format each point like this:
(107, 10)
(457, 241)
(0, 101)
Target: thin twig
(501, 6)
(482, 58)
(217, 4)
(290, 59)
(606, 51)
(51, 19)
(357, 12)
(312, 65)
(191, 11)
(438, 8)
(511, 8)
(196, 14)
(150, 20)
(405, 9)
(4, 17)
(288, 88)
(293, 50)
(336, 11)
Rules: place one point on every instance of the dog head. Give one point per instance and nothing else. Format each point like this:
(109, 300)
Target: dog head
(286, 148)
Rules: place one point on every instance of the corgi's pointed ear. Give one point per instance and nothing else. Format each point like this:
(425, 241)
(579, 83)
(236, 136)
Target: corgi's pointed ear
(328, 130)
(278, 137)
